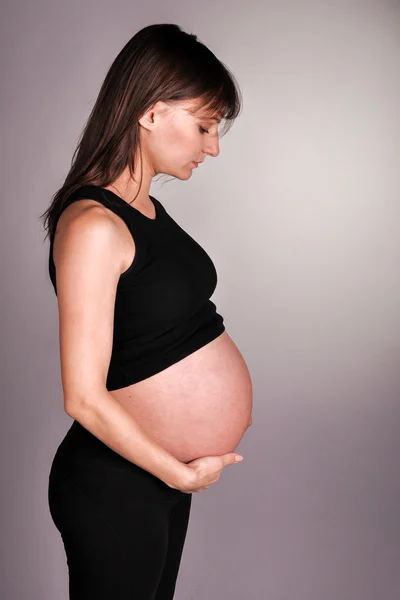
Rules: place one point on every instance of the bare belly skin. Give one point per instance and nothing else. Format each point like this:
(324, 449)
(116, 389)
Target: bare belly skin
(199, 406)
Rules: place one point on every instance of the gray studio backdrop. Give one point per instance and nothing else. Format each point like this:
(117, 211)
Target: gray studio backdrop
(300, 212)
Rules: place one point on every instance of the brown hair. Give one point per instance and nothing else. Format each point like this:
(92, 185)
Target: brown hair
(160, 62)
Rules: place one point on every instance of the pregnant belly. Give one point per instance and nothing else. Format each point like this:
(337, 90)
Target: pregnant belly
(199, 406)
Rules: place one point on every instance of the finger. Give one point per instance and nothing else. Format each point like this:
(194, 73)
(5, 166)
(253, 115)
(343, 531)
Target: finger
(231, 457)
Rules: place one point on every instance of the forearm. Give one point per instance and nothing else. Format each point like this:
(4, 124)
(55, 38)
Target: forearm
(111, 423)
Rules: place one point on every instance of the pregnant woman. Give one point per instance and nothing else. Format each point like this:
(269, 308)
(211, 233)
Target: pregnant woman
(159, 394)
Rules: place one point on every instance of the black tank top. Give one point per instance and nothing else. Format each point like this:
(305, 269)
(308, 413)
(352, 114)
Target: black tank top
(163, 310)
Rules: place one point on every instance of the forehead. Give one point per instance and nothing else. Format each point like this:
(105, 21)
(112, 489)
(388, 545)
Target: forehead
(197, 109)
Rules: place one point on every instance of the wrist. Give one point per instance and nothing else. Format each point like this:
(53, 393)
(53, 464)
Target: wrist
(181, 476)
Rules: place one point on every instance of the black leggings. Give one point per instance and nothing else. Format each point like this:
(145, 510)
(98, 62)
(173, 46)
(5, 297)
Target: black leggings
(123, 529)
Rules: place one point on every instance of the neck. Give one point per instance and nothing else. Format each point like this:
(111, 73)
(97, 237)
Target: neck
(128, 188)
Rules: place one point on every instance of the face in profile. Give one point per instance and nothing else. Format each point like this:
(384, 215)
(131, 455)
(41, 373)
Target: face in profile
(172, 137)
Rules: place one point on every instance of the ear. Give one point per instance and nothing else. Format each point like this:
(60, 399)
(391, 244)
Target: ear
(150, 119)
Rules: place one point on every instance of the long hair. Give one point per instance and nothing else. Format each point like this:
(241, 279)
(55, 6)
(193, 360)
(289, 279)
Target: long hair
(160, 62)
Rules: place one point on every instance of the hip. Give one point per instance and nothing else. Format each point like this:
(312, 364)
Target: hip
(103, 475)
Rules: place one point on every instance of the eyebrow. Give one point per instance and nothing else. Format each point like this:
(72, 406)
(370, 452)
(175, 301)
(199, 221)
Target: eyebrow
(210, 119)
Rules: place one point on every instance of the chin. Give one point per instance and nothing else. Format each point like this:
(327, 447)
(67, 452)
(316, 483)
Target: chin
(182, 174)
(185, 173)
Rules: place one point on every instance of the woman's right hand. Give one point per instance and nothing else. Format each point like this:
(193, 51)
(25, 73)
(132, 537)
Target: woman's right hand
(202, 472)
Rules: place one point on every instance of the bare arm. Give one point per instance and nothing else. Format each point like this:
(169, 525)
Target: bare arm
(88, 264)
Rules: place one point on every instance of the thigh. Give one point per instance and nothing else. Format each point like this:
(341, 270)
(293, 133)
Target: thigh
(108, 555)
(177, 529)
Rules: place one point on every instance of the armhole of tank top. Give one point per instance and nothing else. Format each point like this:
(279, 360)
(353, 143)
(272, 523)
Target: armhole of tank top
(138, 250)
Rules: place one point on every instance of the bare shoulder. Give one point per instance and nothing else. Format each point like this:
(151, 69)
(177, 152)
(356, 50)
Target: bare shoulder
(83, 211)
(85, 222)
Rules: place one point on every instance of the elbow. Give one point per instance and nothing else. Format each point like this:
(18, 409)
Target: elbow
(72, 408)
(83, 402)
(75, 406)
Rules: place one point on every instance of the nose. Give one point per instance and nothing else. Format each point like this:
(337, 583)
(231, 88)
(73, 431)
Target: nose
(212, 147)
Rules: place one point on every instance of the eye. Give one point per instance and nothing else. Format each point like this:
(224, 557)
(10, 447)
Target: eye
(202, 130)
